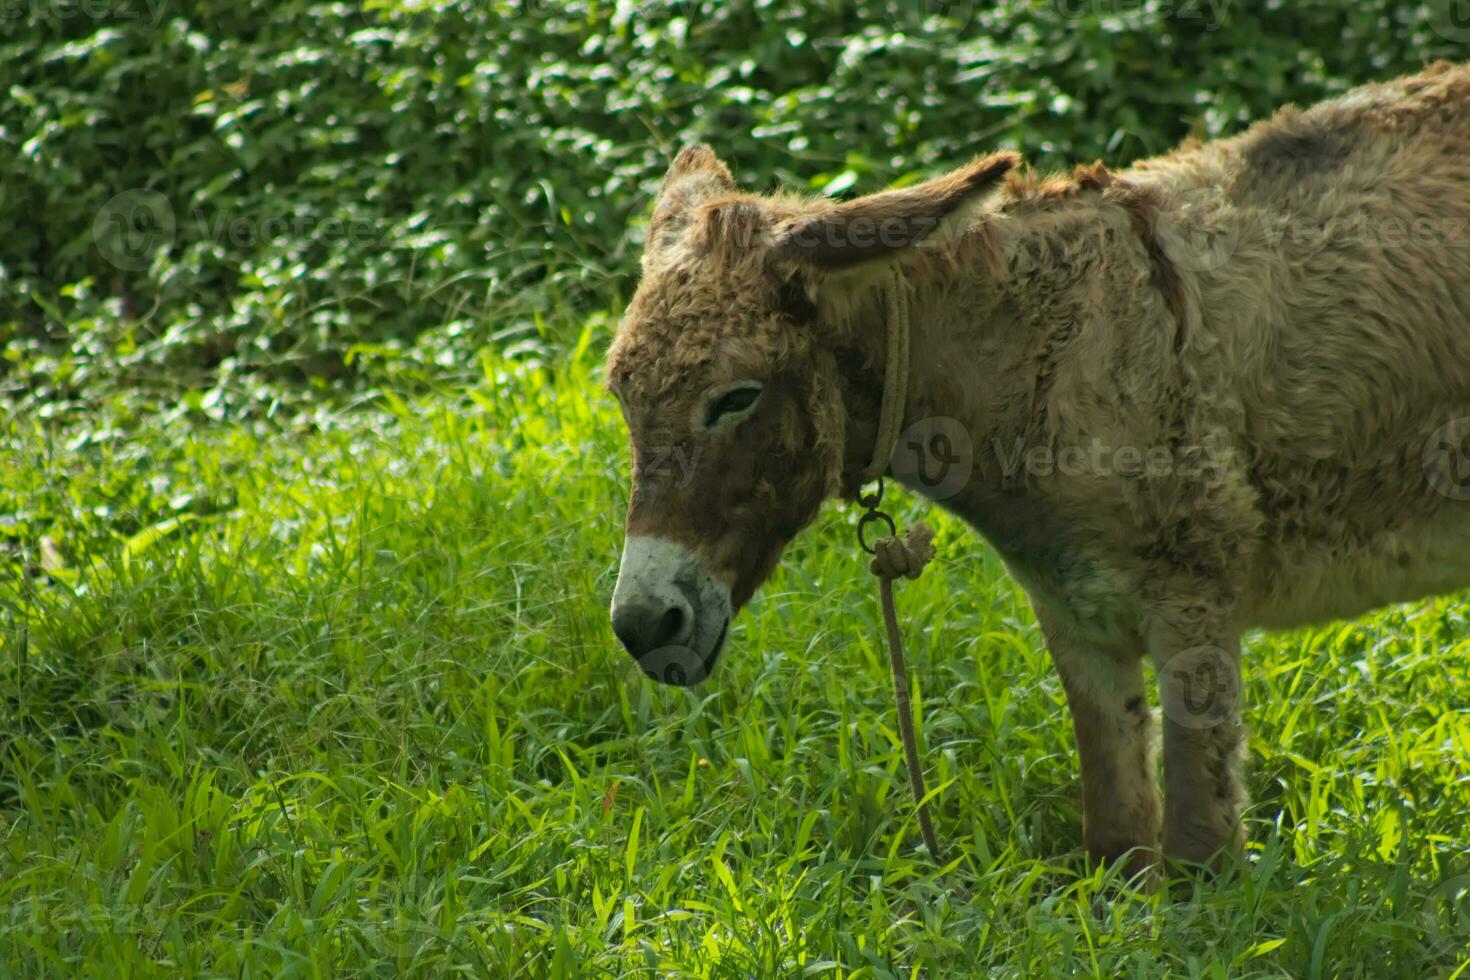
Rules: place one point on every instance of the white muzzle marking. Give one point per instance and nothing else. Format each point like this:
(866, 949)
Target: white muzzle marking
(669, 613)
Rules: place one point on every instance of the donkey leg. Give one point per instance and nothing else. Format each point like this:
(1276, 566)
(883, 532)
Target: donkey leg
(1113, 726)
(1198, 663)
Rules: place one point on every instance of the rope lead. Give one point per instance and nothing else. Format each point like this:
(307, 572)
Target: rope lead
(893, 556)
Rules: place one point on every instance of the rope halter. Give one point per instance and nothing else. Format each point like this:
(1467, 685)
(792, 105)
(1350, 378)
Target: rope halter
(894, 556)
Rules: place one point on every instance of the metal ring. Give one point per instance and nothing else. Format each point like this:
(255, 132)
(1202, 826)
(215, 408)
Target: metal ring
(871, 500)
(872, 517)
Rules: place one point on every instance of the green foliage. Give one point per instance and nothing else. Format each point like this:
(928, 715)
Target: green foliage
(201, 196)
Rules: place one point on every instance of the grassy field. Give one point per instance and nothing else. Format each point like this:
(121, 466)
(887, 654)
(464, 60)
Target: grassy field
(342, 700)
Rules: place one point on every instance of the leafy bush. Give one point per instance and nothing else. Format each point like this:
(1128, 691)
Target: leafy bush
(202, 197)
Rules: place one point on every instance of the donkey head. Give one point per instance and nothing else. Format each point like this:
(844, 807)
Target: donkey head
(727, 376)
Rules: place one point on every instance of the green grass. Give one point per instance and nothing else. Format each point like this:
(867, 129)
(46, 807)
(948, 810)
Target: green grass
(342, 699)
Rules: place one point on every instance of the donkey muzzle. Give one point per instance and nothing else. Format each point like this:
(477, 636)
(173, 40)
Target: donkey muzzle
(669, 614)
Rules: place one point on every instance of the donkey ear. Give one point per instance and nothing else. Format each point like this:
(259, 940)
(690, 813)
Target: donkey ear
(695, 176)
(882, 225)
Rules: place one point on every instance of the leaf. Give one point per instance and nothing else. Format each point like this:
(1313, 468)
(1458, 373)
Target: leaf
(840, 183)
(1260, 949)
(149, 536)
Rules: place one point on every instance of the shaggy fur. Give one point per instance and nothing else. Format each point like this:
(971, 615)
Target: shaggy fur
(1275, 325)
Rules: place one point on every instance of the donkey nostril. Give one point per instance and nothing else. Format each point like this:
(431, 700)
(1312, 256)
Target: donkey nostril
(645, 627)
(627, 635)
(669, 626)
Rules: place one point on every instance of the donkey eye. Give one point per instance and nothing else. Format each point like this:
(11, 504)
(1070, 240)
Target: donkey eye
(732, 403)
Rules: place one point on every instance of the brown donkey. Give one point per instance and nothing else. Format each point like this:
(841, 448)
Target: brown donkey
(1228, 388)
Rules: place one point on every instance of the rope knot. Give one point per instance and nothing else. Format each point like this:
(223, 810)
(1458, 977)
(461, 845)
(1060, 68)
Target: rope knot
(903, 557)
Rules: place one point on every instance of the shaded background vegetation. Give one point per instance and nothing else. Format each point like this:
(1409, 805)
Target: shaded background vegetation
(214, 207)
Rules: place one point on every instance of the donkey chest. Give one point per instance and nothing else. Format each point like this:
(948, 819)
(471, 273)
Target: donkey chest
(1075, 572)
(1097, 601)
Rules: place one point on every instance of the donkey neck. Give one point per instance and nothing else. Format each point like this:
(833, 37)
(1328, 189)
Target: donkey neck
(964, 373)
(1001, 322)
